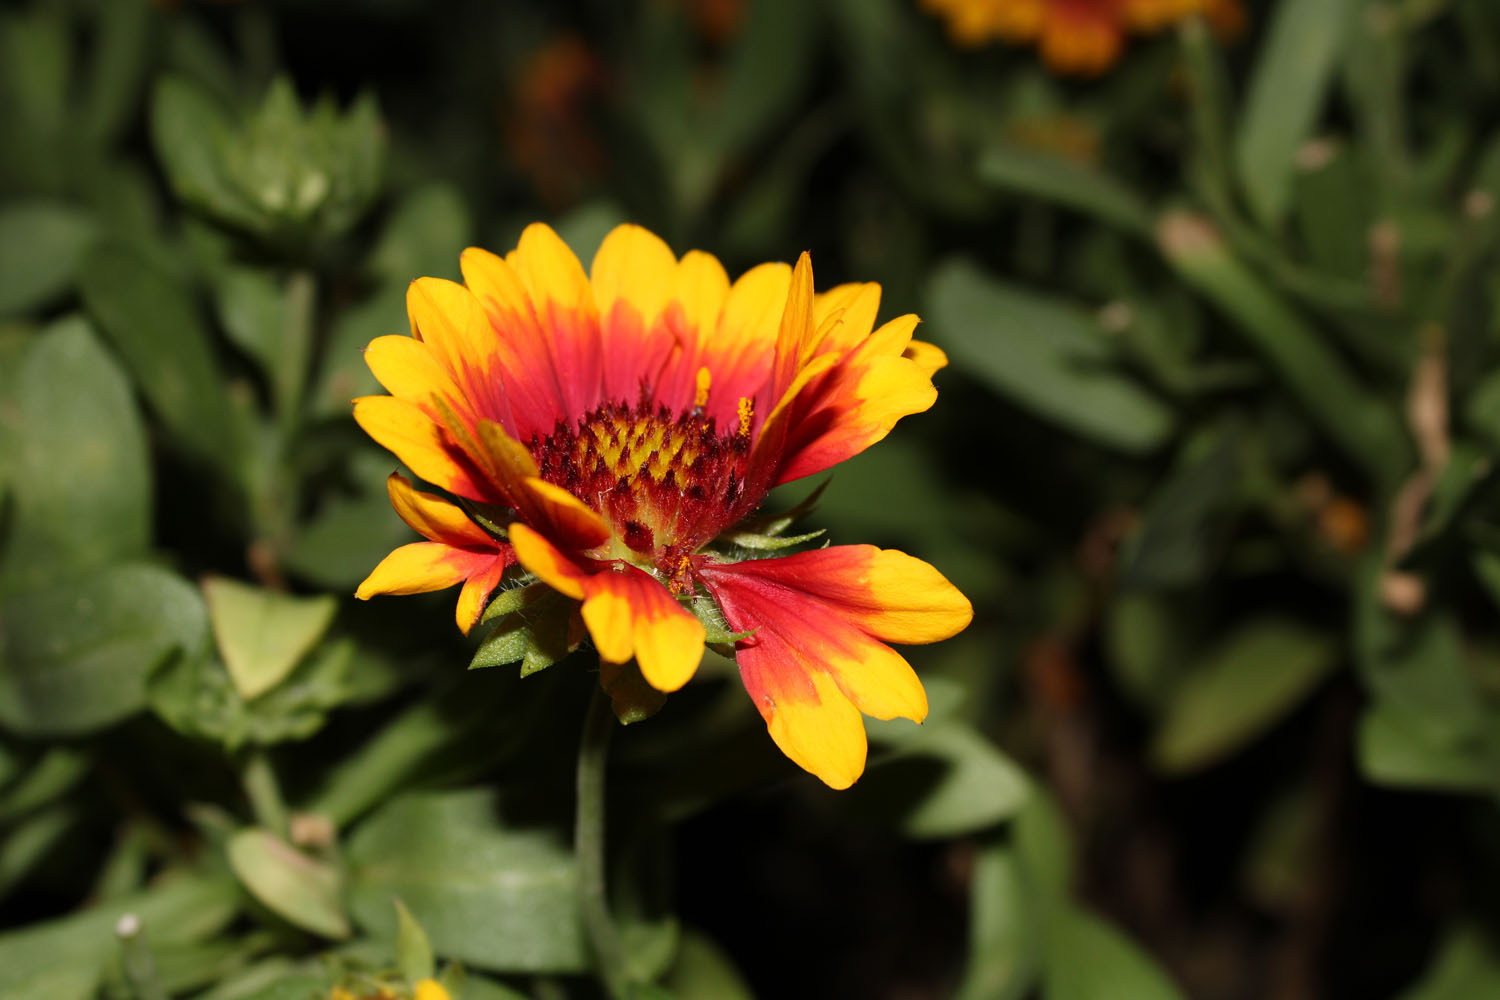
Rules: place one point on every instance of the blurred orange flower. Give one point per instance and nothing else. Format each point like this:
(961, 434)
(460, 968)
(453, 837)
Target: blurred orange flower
(547, 120)
(1078, 37)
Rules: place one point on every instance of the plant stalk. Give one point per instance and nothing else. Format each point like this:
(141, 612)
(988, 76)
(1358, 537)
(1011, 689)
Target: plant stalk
(589, 844)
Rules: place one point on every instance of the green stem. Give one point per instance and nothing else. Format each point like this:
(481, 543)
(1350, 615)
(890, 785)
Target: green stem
(588, 845)
(296, 348)
(264, 792)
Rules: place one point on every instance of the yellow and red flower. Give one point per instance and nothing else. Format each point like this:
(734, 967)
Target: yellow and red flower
(1081, 37)
(611, 426)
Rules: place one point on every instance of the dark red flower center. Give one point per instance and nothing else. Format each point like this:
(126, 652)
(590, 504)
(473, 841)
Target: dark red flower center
(666, 483)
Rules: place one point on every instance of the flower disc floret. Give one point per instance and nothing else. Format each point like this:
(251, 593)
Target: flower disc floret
(665, 484)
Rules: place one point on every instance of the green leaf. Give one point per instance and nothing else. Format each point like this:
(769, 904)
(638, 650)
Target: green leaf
(28, 843)
(413, 950)
(1075, 185)
(768, 69)
(1049, 356)
(1242, 688)
(1482, 409)
(74, 453)
(424, 235)
(345, 375)
(45, 780)
(192, 136)
(1188, 519)
(151, 320)
(943, 780)
(1146, 635)
(583, 228)
(63, 959)
(267, 317)
(1417, 667)
(1405, 750)
(196, 697)
(117, 63)
(1288, 89)
(1349, 413)
(1044, 845)
(296, 987)
(1088, 959)
(703, 971)
(1466, 967)
(1004, 946)
(491, 895)
(76, 656)
(300, 889)
(41, 243)
(261, 634)
(36, 63)
(1334, 207)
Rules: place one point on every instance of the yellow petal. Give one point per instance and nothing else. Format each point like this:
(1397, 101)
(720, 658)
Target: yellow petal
(431, 516)
(853, 308)
(752, 312)
(541, 557)
(447, 316)
(628, 613)
(550, 271)
(416, 569)
(637, 266)
(404, 429)
(700, 287)
(796, 327)
(928, 357)
(880, 682)
(495, 285)
(824, 735)
(407, 368)
(916, 603)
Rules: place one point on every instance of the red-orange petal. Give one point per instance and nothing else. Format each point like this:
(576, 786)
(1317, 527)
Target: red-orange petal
(819, 623)
(477, 589)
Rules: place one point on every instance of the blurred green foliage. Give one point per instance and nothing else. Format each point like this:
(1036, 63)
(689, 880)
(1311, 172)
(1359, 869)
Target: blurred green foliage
(1216, 459)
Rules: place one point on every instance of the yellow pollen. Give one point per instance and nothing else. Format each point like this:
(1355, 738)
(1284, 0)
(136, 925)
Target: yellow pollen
(747, 412)
(700, 398)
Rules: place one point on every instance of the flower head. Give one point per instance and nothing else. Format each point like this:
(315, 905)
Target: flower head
(603, 430)
(1078, 37)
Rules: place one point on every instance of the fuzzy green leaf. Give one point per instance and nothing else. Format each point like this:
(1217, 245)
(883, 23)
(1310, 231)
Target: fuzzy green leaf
(263, 635)
(76, 656)
(301, 890)
(494, 896)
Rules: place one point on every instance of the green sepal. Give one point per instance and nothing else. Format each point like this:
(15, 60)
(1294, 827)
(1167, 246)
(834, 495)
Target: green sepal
(513, 594)
(767, 543)
(716, 631)
(534, 626)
